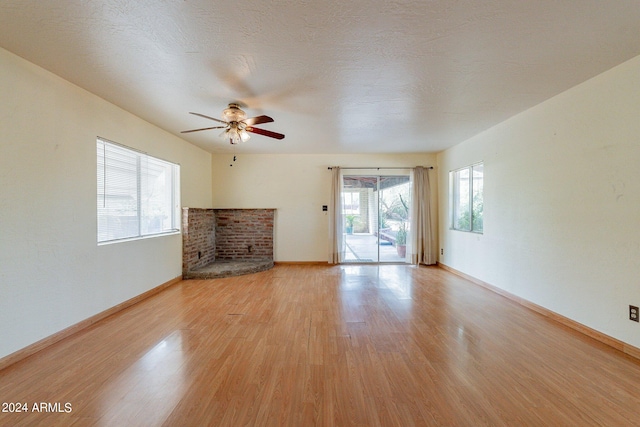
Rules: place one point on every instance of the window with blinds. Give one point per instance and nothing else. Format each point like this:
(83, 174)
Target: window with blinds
(138, 195)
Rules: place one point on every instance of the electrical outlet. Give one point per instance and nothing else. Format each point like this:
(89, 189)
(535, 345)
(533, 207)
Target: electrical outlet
(441, 251)
(633, 313)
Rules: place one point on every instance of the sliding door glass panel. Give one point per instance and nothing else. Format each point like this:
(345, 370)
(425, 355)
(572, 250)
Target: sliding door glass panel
(359, 201)
(395, 200)
(376, 217)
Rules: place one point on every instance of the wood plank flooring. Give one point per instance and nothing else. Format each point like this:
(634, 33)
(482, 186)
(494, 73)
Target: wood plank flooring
(304, 345)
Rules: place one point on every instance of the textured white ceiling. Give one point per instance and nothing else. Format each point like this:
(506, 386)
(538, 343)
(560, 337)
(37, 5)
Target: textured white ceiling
(352, 76)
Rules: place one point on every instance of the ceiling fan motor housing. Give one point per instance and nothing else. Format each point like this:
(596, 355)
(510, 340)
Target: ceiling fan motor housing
(234, 114)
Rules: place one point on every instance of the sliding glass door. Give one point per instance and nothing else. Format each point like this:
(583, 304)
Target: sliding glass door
(376, 217)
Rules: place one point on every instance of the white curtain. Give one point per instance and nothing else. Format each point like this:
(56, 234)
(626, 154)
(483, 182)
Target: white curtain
(422, 233)
(336, 241)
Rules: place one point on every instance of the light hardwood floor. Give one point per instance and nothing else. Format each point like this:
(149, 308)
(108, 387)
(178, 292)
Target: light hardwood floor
(305, 345)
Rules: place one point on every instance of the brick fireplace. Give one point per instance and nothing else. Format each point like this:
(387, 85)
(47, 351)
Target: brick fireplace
(226, 242)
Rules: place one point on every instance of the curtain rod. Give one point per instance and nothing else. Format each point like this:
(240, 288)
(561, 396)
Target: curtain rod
(378, 168)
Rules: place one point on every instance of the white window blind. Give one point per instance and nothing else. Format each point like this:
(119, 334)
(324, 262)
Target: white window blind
(138, 195)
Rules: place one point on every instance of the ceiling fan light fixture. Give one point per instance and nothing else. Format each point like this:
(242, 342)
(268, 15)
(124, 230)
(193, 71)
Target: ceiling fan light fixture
(235, 134)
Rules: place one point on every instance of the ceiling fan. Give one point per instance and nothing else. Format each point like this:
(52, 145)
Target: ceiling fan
(237, 126)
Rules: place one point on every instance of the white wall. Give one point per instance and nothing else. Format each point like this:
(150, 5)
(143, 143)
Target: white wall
(297, 186)
(561, 204)
(52, 273)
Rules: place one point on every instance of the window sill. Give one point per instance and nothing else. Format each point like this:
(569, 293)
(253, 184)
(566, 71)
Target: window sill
(129, 239)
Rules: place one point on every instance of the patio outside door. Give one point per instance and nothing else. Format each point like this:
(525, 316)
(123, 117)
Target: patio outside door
(376, 217)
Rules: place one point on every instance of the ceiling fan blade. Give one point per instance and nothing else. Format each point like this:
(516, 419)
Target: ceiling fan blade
(265, 132)
(196, 130)
(207, 117)
(257, 120)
